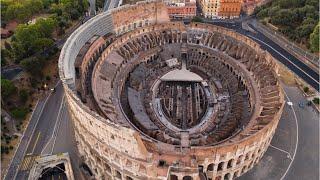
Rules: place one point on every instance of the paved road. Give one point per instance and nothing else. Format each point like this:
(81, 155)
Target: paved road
(294, 150)
(298, 67)
(63, 144)
(19, 154)
(38, 132)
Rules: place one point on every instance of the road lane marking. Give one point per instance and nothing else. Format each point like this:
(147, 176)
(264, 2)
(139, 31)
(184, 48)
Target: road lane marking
(297, 137)
(288, 154)
(55, 125)
(25, 149)
(55, 138)
(35, 144)
(285, 58)
(28, 162)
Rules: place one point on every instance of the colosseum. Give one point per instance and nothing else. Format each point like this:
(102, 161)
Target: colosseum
(152, 98)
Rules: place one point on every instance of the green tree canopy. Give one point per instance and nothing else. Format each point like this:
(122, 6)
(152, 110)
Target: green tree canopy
(33, 65)
(314, 39)
(296, 19)
(29, 39)
(7, 88)
(20, 10)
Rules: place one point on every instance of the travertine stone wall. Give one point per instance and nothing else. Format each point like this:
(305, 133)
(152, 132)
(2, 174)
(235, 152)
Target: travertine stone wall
(113, 151)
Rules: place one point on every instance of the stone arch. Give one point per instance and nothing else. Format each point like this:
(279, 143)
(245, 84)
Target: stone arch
(118, 174)
(210, 167)
(220, 166)
(129, 178)
(173, 177)
(187, 178)
(107, 167)
(239, 159)
(230, 162)
(227, 176)
(236, 174)
(243, 169)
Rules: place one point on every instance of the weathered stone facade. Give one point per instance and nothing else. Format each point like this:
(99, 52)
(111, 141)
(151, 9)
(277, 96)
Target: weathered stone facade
(115, 146)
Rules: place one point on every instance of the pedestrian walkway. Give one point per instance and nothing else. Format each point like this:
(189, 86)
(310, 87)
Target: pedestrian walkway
(28, 162)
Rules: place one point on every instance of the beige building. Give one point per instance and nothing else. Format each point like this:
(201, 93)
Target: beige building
(131, 124)
(220, 9)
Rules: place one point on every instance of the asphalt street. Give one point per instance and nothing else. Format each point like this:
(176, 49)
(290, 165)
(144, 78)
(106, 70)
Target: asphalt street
(42, 132)
(63, 144)
(24, 142)
(294, 150)
(298, 67)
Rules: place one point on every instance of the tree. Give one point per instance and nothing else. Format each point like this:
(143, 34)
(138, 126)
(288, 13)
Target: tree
(316, 100)
(314, 39)
(196, 19)
(43, 43)
(33, 65)
(23, 95)
(19, 113)
(18, 11)
(46, 26)
(32, 38)
(7, 88)
(35, 6)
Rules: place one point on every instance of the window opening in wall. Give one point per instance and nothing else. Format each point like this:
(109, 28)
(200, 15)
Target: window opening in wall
(77, 72)
(200, 168)
(220, 166)
(108, 169)
(210, 167)
(112, 136)
(187, 178)
(227, 176)
(243, 169)
(230, 163)
(239, 159)
(129, 178)
(173, 177)
(118, 174)
(162, 163)
(86, 168)
(247, 156)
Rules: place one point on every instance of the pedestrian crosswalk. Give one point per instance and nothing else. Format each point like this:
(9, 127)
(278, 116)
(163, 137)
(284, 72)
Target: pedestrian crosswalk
(27, 162)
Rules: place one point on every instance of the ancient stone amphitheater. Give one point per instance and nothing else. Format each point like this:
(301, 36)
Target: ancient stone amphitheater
(155, 99)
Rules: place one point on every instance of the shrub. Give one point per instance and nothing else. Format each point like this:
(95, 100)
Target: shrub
(7, 88)
(316, 100)
(23, 95)
(306, 89)
(48, 78)
(197, 19)
(19, 113)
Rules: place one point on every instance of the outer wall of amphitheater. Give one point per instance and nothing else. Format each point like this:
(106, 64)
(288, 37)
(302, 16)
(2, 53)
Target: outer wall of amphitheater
(113, 151)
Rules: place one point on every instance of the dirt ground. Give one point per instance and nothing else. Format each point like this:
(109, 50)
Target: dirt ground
(286, 76)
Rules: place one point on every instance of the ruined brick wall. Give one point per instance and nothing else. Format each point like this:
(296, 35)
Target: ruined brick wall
(129, 17)
(113, 151)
